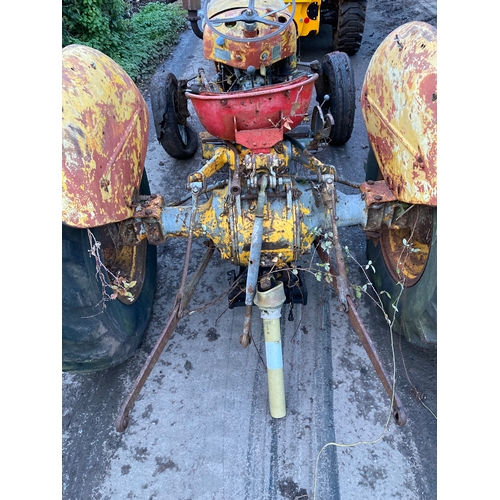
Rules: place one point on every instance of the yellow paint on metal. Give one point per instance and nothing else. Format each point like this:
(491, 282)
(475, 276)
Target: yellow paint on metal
(208, 148)
(217, 217)
(242, 53)
(305, 25)
(399, 105)
(221, 157)
(279, 234)
(403, 263)
(229, 220)
(104, 138)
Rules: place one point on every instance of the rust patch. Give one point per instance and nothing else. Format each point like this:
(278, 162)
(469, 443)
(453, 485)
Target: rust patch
(376, 192)
(104, 139)
(252, 53)
(149, 207)
(399, 106)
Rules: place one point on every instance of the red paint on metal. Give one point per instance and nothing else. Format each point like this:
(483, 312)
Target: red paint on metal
(399, 105)
(258, 140)
(104, 135)
(257, 109)
(247, 52)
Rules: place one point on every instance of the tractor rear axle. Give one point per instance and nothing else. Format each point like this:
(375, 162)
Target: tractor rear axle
(260, 219)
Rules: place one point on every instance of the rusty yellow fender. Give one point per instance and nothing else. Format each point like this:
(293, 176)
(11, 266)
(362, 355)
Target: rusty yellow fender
(399, 105)
(104, 138)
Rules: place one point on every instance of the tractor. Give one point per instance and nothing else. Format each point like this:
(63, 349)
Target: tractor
(259, 210)
(346, 17)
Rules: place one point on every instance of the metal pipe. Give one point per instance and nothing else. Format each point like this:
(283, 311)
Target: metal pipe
(269, 302)
(193, 7)
(254, 262)
(191, 4)
(235, 183)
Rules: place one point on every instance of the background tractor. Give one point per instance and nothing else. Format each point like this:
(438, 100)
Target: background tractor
(260, 198)
(346, 17)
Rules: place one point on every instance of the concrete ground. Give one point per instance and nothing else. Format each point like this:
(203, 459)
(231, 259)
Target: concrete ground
(201, 427)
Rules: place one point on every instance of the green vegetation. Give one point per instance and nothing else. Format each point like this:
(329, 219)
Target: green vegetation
(137, 42)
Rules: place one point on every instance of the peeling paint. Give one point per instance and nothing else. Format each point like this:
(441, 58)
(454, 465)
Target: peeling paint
(104, 138)
(399, 105)
(241, 55)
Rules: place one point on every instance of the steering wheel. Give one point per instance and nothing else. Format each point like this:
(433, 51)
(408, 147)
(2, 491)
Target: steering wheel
(249, 16)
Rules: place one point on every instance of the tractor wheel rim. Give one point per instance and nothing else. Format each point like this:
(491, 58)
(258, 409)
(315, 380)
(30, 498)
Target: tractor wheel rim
(127, 262)
(405, 254)
(183, 134)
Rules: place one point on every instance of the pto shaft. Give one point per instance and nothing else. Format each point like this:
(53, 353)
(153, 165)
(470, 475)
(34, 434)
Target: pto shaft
(269, 302)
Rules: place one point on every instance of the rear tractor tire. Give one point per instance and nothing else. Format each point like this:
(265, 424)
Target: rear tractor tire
(98, 334)
(173, 132)
(405, 276)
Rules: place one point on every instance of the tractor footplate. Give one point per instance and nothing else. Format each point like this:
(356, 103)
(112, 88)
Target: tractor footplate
(294, 286)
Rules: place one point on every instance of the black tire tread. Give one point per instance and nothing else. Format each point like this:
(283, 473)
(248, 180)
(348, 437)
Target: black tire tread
(176, 148)
(339, 84)
(94, 338)
(166, 120)
(350, 27)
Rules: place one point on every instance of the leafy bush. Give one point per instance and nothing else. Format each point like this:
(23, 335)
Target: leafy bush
(98, 23)
(153, 32)
(136, 42)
